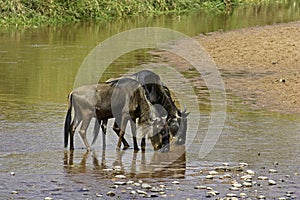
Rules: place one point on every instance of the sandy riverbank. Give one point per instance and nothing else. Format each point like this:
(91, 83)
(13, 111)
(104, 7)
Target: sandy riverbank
(268, 61)
(259, 64)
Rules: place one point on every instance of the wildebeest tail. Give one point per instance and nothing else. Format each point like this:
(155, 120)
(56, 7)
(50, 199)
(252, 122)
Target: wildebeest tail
(68, 121)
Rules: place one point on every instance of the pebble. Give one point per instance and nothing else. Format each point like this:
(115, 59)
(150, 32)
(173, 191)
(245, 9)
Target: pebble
(262, 178)
(201, 187)
(238, 185)
(250, 172)
(273, 171)
(110, 193)
(136, 184)
(211, 194)
(99, 195)
(272, 182)
(234, 188)
(225, 164)
(133, 192)
(142, 192)
(83, 190)
(120, 176)
(12, 173)
(156, 189)
(146, 186)
(130, 182)
(213, 172)
(120, 183)
(247, 184)
(209, 188)
(48, 198)
(223, 168)
(227, 176)
(261, 197)
(242, 194)
(175, 182)
(14, 192)
(246, 177)
(243, 164)
(282, 198)
(209, 177)
(231, 195)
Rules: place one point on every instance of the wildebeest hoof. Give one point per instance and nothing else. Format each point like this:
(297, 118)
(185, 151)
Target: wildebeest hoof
(125, 147)
(118, 149)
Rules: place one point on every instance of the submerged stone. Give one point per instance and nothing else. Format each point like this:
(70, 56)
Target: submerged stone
(272, 182)
(146, 186)
(250, 172)
(234, 188)
(120, 183)
(262, 178)
(110, 193)
(201, 187)
(120, 176)
(209, 177)
(273, 171)
(213, 172)
(142, 192)
(211, 194)
(231, 195)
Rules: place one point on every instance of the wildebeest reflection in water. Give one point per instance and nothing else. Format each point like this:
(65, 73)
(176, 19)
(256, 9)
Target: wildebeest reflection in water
(170, 164)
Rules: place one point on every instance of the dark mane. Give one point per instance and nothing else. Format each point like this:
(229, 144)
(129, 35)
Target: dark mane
(166, 101)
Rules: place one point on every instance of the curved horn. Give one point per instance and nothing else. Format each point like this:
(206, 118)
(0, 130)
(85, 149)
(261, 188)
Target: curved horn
(184, 109)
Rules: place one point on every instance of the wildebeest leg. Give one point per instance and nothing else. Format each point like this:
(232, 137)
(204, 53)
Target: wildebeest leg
(123, 123)
(72, 131)
(74, 125)
(133, 129)
(117, 131)
(104, 128)
(143, 144)
(165, 140)
(96, 130)
(82, 132)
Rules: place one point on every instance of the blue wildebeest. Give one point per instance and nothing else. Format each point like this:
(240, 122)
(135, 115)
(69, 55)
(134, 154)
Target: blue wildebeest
(124, 100)
(157, 93)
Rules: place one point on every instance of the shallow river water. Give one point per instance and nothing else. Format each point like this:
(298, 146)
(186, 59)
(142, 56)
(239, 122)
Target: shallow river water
(37, 71)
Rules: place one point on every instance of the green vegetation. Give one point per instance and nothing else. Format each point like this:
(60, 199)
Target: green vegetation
(43, 12)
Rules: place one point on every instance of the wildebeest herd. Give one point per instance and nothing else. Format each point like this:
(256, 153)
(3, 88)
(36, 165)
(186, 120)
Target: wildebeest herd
(140, 98)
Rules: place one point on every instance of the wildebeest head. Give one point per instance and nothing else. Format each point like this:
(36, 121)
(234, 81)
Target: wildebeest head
(156, 127)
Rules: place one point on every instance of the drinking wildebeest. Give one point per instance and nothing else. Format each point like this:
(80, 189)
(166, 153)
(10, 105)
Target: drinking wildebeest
(123, 100)
(157, 93)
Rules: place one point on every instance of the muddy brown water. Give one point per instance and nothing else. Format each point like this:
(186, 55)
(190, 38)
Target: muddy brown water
(37, 71)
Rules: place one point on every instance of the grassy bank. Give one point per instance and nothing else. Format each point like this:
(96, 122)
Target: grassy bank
(44, 12)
